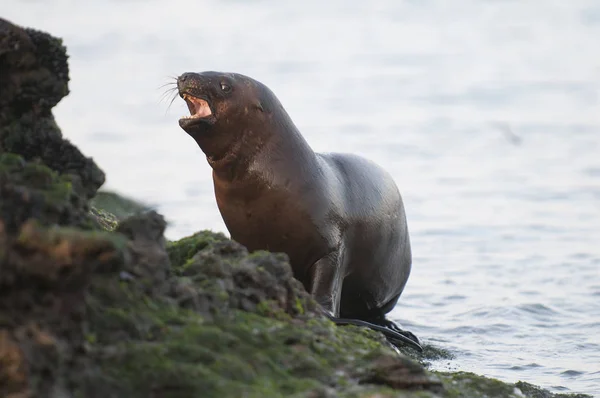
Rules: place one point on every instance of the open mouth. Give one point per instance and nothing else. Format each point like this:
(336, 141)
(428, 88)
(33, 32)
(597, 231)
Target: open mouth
(199, 108)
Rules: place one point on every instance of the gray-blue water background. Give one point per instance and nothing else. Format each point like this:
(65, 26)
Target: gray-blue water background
(485, 112)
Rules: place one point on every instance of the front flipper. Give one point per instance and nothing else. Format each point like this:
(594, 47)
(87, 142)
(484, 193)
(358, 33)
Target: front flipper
(395, 336)
(326, 285)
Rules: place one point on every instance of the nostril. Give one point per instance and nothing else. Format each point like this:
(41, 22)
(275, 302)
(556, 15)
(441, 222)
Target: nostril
(184, 77)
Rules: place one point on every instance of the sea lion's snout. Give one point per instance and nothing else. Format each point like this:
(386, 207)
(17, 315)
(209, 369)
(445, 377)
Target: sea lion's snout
(181, 80)
(196, 95)
(188, 82)
(183, 77)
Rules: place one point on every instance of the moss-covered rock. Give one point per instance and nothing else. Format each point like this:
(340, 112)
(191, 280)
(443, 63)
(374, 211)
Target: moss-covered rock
(100, 305)
(532, 391)
(181, 354)
(429, 354)
(44, 272)
(223, 275)
(103, 219)
(117, 205)
(32, 190)
(34, 76)
(182, 251)
(465, 384)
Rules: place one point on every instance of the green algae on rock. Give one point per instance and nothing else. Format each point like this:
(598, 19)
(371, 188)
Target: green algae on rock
(32, 190)
(532, 391)
(245, 353)
(429, 354)
(182, 251)
(103, 219)
(118, 205)
(465, 384)
(225, 276)
(43, 275)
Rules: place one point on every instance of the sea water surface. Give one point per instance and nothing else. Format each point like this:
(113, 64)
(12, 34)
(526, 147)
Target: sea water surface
(486, 112)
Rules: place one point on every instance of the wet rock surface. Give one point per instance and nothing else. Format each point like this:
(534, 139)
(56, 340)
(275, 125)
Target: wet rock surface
(100, 305)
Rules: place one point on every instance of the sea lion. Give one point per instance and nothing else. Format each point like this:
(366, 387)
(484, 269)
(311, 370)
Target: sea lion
(339, 217)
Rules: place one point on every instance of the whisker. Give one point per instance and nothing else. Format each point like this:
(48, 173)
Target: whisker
(167, 93)
(173, 99)
(171, 90)
(175, 95)
(174, 82)
(167, 84)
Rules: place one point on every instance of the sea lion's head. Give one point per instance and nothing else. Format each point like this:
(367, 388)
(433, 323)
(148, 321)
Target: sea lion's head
(227, 111)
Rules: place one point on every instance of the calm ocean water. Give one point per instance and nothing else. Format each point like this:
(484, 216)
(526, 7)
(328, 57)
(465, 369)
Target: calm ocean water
(487, 113)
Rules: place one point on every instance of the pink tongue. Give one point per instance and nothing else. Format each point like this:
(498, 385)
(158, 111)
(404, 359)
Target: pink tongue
(202, 109)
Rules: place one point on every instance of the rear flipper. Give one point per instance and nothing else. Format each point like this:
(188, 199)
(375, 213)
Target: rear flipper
(392, 332)
(391, 325)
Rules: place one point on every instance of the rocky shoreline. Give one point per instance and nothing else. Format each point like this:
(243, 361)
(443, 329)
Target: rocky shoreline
(96, 303)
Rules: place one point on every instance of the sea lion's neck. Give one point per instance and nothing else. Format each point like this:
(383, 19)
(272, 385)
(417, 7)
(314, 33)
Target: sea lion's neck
(231, 164)
(273, 151)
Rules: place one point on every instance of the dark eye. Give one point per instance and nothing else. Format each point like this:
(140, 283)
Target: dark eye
(225, 87)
